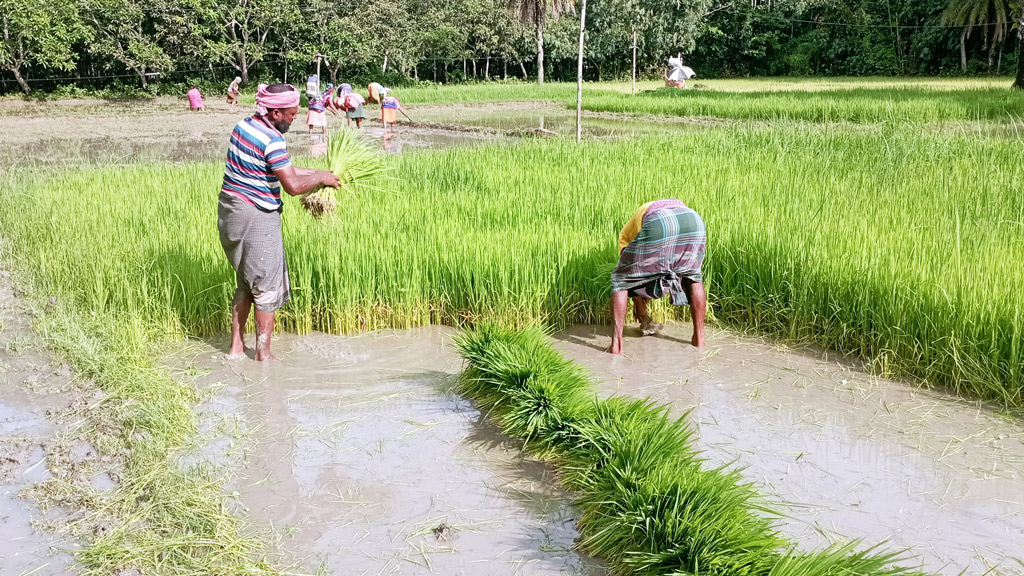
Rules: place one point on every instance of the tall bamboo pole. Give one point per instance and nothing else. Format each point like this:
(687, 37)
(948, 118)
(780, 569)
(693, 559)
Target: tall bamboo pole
(579, 75)
(634, 62)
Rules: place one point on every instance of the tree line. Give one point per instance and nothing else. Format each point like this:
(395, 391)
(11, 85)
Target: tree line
(145, 42)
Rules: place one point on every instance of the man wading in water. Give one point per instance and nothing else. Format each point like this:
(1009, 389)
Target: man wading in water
(249, 212)
(661, 250)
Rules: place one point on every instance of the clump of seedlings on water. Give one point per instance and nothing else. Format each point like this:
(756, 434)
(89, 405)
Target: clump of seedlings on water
(648, 503)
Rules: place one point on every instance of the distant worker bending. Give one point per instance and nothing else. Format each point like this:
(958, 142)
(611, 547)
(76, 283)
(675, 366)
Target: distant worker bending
(661, 250)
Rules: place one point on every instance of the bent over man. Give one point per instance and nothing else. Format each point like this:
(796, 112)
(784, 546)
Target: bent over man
(661, 250)
(249, 212)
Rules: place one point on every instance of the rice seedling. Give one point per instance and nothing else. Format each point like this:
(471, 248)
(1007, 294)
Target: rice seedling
(859, 100)
(858, 104)
(899, 247)
(355, 165)
(648, 504)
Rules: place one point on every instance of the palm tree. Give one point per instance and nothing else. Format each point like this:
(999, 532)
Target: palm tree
(974, 13)
(536, 13)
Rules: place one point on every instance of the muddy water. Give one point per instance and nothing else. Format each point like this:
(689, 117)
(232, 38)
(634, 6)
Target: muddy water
(354, 449)
(97, 132)
(33, 389)
(357, 457)
(851, 455)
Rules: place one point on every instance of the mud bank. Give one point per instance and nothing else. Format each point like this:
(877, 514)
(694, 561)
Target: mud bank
(97, 132)
(354, 451)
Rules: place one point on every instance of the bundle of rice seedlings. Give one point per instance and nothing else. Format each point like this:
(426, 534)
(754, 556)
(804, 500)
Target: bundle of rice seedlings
(353, 162)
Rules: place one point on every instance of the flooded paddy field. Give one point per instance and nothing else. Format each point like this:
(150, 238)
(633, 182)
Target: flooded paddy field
(357, 455)
(99, 132)
(354, 455)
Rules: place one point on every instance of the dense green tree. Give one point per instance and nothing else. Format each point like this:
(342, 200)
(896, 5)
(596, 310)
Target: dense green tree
(449, 40)
(1018, 82)
(142, 35)
(240, 29)
(42, 33)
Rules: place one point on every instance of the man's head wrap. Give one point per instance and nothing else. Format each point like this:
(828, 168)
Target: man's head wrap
(345, 89)
(269, 101)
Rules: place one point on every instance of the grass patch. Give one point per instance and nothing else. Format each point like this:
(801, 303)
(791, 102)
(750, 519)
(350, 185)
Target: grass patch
(159, 519)
(648, 503)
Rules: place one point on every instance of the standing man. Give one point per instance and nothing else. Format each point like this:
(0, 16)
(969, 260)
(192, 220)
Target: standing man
(249, 212)
(661, 250)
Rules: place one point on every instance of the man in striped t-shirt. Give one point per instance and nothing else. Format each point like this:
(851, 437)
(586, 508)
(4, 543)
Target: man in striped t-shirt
(249, 212)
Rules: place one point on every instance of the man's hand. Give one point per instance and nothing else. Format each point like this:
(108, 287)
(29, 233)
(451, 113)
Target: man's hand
(328, 178)
(296, 181)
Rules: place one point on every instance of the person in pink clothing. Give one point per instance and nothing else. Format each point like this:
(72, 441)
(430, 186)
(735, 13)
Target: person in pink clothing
(195, 100)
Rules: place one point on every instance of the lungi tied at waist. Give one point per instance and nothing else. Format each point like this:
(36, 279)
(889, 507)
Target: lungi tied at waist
(668, 250)
(254, 245)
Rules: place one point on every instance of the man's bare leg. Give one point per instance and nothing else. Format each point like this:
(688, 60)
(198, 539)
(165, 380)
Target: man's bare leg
(240, 306)
(640, 307)
(264, 328)
(698, 308)
(619, 305)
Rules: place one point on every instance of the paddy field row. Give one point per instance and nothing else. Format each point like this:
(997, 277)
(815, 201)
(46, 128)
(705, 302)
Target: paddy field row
(895, 246)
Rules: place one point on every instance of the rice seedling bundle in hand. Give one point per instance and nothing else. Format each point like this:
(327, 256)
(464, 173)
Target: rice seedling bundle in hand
(355, 164)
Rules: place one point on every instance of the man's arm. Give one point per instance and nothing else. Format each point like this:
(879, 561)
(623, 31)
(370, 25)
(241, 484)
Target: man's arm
(297, 181)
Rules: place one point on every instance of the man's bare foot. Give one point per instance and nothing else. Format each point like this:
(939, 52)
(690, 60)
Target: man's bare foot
(266, 356)
(614, 348)
(697, 341)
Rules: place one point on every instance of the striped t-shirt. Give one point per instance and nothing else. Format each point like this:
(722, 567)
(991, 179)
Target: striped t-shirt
(255, 151)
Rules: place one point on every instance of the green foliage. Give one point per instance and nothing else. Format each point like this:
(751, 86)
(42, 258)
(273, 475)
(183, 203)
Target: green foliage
(648, 504)
(39, 33)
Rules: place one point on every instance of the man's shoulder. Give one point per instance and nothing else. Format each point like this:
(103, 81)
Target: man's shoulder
(255, 131)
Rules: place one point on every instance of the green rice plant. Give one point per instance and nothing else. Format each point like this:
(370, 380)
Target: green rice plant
(898, 247)
(355, 165)
(855, 104)
(623, 442)
(840, 559)
(648, 504)
(531, 391)
(683, 520)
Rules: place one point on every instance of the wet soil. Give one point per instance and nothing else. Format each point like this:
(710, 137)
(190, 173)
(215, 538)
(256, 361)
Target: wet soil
(97, 132)
(361, 459)
(36, 392)
(356, 456)
(851, 455)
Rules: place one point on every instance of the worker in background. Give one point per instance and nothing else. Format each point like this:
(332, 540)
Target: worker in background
(234, 94)
(195, 100)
